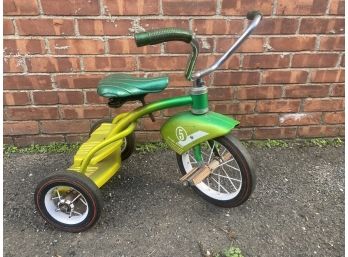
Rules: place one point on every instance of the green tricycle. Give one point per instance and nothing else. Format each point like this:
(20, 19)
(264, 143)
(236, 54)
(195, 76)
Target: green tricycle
(212, 161)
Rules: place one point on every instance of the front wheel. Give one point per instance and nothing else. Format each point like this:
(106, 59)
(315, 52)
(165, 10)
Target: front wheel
(232, 182)
(69, 201)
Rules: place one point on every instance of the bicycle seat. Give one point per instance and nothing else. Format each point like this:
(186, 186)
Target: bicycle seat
(127, 87)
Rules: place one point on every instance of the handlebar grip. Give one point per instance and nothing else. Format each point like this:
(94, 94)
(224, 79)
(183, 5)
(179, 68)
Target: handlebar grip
(251, 15)
(162, 35)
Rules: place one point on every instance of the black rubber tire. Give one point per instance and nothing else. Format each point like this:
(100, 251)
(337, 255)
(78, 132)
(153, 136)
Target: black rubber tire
(130, 139)
(79, 182)
(241, 155)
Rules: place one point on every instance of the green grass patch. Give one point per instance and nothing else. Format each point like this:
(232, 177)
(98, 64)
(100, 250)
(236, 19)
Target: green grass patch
(152, 147)
(51, 148)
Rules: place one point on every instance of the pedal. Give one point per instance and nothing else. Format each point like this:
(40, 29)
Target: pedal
(198, 174)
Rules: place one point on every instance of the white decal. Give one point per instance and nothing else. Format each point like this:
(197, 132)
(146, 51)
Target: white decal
(190, 138)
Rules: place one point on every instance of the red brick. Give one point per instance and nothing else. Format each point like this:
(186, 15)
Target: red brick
(93, 98)
(275, 133)
(109, 63)
(128, 46)
(243, 134)
(257, 120)
(301, 91)
(342, 64)
(170, 92)
(78, 81)
(79, 138)
(336, 7)
(292, 44)
(70, 7)
(220, 93)
(8, 27)
(322, 26)
(289, 77)
(206, 45)
(205, 61)
(20, 7)
(300, 119)
(302, 7)
(37, 139)
(179, 80)
(312, 105)
(13, 64)
(327, 76)
(335, 43)
(266, 61)
(333, 118)
(45, 27)
(19, 82)
(147, 124)
(240, 107)
(158, 63)
(278, 106)
(31, 113)
(342, 130)
(24, 46)
(315, 60)
(318, 131)
(53, 64)
(259, 92)
(242, 7)
(337, 90)
(135, 7)
(274, 26)
(187, 7)
(236, 78)
(148, 136)
(16, 98)
(70, 97)
(217, 26)
(76, 46)
(88, 112)
(21, 128)
(108, 27)
(65, 126)
(150, 24)
(45, 97)
(251, 45)
(7, 140)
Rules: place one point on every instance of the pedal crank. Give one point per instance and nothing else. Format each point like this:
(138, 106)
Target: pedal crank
(198, 174)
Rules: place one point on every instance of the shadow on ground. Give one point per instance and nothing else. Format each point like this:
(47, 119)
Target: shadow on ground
(297, 209)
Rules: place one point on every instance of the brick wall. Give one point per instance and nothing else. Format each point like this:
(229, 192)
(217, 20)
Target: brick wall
(286, 81)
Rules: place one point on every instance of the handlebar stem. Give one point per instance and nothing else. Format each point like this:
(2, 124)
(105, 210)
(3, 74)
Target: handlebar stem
(233, 48)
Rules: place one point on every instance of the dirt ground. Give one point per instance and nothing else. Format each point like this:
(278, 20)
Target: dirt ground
(297, 209)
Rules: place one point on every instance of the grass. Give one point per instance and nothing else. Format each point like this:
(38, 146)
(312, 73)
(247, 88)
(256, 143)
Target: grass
(152, 147)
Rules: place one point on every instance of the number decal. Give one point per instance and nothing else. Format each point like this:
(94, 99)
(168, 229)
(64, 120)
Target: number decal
(181, 133)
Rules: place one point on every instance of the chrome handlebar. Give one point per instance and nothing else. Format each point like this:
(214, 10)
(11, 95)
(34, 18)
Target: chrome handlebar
(256, 17)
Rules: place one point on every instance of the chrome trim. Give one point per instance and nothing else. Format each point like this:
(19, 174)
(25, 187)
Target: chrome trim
(198, 90)
(200, 111)
(241, 39)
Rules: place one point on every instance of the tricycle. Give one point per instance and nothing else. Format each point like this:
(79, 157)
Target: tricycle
(212, 161)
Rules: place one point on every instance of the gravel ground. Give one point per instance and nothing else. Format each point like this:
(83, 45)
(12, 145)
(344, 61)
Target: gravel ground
(297, 209)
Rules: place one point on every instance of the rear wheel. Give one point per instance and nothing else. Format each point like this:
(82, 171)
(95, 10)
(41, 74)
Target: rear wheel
(128, 145)
(69, 201)
(232, 182)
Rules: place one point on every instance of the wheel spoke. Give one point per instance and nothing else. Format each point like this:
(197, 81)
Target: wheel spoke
(229, 179)
(76, 198)
(232, 167)
(211, 152)
(220, 185)
(194, 160)
(83, 201)
(80, 214)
